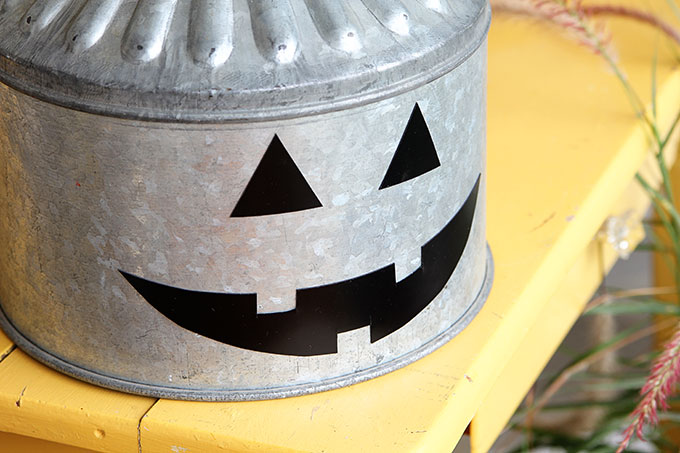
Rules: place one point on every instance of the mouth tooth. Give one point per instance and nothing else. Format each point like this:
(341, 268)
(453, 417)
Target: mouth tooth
(353, 341)
(406, 263)
(276, 301)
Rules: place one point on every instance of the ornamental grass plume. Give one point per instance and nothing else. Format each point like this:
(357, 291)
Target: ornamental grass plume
(659, 386)
(575, 17)
(635, 14)
(569, 15)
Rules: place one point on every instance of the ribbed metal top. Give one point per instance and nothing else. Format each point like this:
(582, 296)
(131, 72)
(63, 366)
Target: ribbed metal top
(231, 60)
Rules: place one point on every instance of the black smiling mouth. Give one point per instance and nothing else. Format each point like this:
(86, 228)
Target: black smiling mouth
(374, 299)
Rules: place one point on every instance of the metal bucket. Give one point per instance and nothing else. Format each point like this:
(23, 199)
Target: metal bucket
(237, 200)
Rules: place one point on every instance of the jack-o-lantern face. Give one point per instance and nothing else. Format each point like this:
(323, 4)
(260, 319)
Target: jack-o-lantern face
(374, 299)
(278, 186)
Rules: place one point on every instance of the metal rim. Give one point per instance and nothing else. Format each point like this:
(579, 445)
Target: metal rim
(174, 393)
(21, 75)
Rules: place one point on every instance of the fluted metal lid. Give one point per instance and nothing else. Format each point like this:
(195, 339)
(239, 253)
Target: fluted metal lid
(224, 60)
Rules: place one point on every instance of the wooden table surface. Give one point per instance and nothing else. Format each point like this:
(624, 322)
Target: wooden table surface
(563, 149)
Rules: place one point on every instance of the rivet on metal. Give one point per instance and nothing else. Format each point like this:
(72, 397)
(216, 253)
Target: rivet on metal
(392, 14)
(91, 24)
(211, 30)
(41, 14)
(335, 24)
(274, 29)
(147, 30)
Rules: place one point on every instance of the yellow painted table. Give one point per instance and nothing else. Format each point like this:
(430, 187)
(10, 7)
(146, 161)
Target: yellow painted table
(563, 149)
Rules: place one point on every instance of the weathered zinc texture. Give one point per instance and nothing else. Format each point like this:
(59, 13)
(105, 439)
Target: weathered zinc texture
(232, 200)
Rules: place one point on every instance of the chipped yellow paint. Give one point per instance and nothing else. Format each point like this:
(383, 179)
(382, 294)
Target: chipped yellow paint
(6, 345)
(13, 443)
(38, 402)
(563, 147)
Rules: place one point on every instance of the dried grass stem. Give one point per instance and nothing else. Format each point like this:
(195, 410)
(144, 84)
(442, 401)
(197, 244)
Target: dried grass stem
(635, 14)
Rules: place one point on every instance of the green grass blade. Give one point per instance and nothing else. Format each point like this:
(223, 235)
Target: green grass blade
(655, 63)
(635, 307)
(600, 347)
(618, 384)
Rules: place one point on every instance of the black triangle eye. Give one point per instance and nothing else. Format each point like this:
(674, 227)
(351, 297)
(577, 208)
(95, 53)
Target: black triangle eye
(415, 155)
(277, 186)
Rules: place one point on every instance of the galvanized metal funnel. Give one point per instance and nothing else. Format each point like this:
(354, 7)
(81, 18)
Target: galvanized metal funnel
(235, 200)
